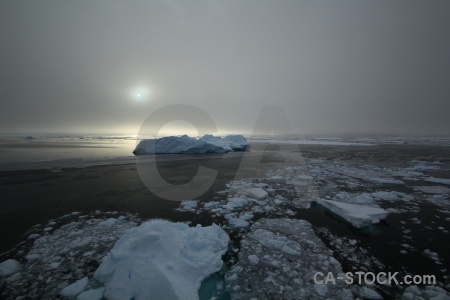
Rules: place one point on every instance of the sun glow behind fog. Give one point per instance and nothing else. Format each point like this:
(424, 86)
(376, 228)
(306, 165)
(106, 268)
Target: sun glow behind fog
(140, 94)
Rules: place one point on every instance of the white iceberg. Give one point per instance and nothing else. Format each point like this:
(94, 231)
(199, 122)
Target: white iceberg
(189, 145)
(162, 260)
(357, 215)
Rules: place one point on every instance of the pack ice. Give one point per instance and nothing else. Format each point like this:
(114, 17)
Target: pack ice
(162, 260)
(278, 259)
(189, 145)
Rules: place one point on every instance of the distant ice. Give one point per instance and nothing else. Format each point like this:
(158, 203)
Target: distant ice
(438, 180)
(186, 144)
(392, 196)
(162, 260)
(433, 189)
(188, 205)
(9, 267)
(387, 181)
(357, 215)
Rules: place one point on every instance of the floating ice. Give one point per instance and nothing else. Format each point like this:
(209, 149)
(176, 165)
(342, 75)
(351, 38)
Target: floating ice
(256, 193)
(73, 250)
(162, 260)
(357, 215)
(9, 267)
(188, 205)
(236, 223)
(438, 180)
(278, 260)
(387, 181)
(429, 292)
(185, 144)
(93, 294)
(433, 189)
(75, 288)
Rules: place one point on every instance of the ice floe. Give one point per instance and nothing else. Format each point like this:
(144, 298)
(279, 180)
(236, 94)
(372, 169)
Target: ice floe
(278, 260)
(357, 215)
(162, 260)
(185, 144)
(75, 288)
(53, 261)
(9, 267)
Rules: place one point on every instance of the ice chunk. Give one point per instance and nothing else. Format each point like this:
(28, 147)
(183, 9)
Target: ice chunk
(433, 189)
(162, 260)
(256, 193)
(438, 180)
(93, 294)
(110, 222)
(253, 259)
(357, 215)
(388, 196)
(188, 205)
(186, 144)
(235, 202)
(9, 267)
(75, 288)
(387, 181)
(236, 223)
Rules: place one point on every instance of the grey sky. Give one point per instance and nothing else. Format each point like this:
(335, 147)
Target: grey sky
(336, 67)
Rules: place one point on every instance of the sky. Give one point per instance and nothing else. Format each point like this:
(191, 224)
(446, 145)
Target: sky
(334, 67)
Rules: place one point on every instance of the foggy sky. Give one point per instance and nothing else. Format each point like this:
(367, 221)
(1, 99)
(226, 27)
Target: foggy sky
(336, 67)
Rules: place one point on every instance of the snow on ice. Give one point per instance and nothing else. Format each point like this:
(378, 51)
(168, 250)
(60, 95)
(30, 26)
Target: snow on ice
(185, 144)
(162, 260)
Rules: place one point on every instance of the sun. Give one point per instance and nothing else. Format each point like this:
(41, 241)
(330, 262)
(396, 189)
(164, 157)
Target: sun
(140, 93)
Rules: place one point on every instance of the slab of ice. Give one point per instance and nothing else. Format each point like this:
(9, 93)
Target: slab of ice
(387, 181)
(236, 223)
(75, 288)
(93, 294)
(185, 144)
(429, 292)
(433, 189)
(188, 205)
(388, 196)
(162, 260)
(278, 259)
(438, 180)
(256, 193)
(357, 215)
(9, 267)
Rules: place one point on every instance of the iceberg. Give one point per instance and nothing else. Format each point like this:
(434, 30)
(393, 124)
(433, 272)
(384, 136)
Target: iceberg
(162, 260)
(357, 215)
(189, 145)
